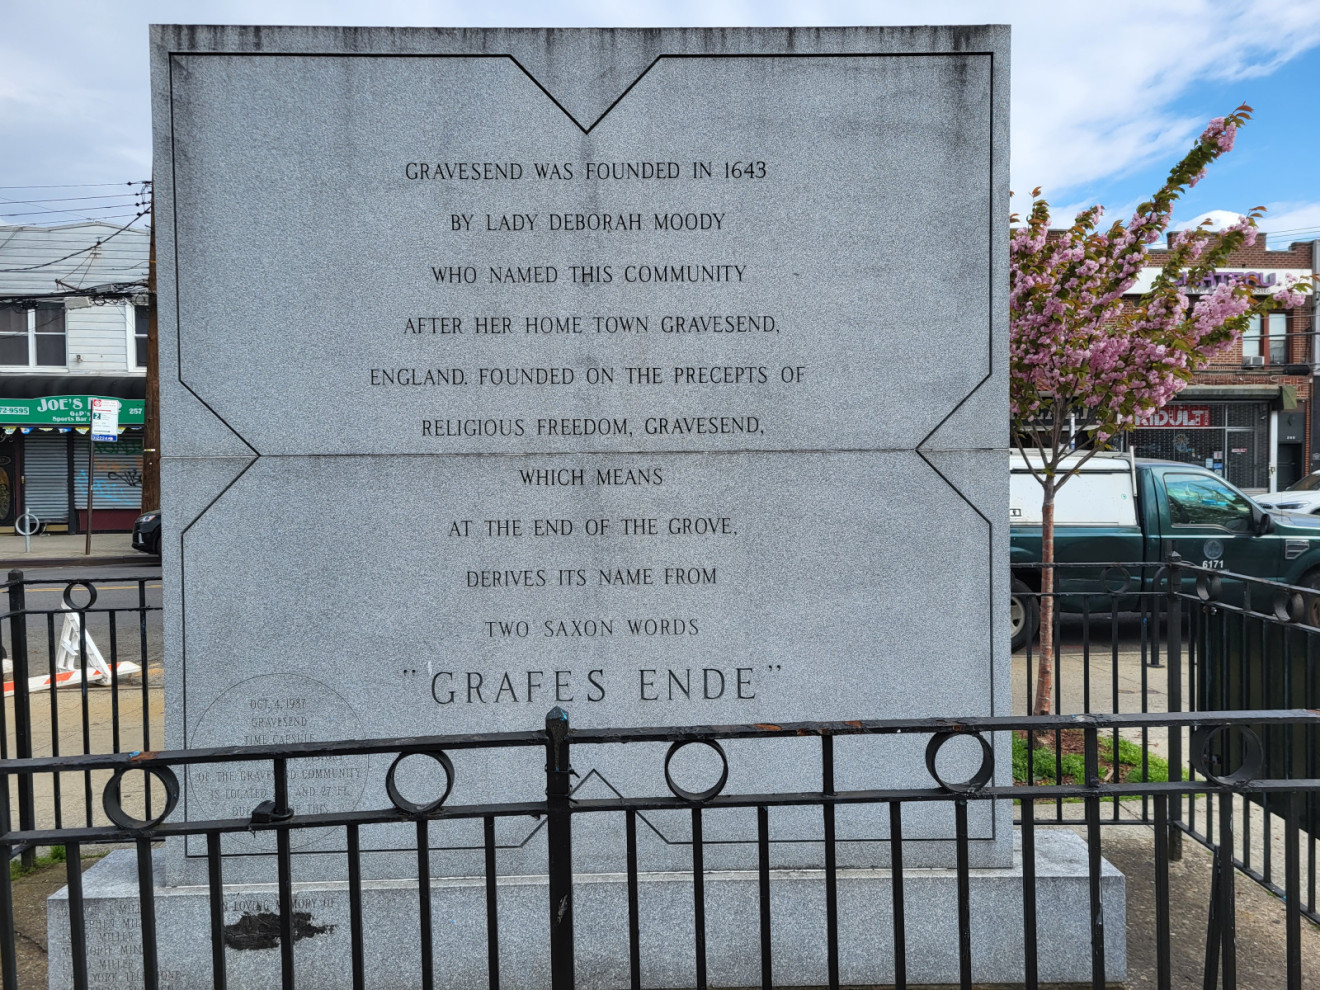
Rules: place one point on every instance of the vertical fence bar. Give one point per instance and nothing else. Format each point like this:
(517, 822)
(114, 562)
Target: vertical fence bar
(1174, 685)
(8, 936)
(831, 864)
(1163, 954)
(215, 885)
(1227, 903)
(559, 843)
(1092, 757)
(763, 868)
(84, 696)
(492, 906)
(22, 711)
(114, 682)
(1086, 653)
(1293, 892)
(964, 896)
(147, 908)
(57, 779)
(355, 907)
(1030, 963)
(284, 863)
(146, 686)
(896, 891)
(634, 914)
(1210, 972)
(424, 923)
(77, 916)
(699, 897)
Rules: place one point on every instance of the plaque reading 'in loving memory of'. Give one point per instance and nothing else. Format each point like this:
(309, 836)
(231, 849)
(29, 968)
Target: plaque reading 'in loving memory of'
(656, 375)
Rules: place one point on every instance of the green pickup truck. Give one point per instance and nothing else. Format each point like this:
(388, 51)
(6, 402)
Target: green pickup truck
(1129, 510)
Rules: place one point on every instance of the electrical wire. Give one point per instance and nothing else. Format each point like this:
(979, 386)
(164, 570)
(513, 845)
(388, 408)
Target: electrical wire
(80, 211)
(138, 197)
(84, 185)
(74, 254)
(69, 199)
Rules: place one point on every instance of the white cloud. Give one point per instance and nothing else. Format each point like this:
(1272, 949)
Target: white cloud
(1093, 84)
(1286, 222)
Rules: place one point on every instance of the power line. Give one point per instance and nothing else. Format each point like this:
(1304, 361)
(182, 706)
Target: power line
(84, 185)
(74, 254)
(83, 209)
(69, 199)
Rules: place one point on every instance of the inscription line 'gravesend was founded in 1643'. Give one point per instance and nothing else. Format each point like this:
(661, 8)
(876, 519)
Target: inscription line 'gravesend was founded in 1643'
(664, 386)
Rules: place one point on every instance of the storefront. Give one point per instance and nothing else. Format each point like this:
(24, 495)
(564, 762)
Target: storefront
(45, 456)
(1254, 435)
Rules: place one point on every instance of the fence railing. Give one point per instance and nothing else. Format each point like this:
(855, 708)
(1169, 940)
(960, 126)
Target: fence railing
(1173, 636)
(79, 655)
(563, 813)
(1160, 657)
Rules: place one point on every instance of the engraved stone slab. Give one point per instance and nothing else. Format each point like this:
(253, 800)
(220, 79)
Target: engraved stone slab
(654, 374)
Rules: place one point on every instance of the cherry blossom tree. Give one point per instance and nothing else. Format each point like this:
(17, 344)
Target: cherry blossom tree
(1086, 363)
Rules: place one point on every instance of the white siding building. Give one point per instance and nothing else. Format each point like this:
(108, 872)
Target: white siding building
(72, 325)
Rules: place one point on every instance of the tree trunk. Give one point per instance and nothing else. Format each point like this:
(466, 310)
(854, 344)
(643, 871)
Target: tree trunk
(1045, 660)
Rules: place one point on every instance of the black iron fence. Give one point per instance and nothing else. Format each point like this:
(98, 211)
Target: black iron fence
(82, 663)
(563, 813)
(1176, 698)
(1174, 637)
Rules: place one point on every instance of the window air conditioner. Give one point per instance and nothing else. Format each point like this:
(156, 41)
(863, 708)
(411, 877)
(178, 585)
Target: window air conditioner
(1253, 361)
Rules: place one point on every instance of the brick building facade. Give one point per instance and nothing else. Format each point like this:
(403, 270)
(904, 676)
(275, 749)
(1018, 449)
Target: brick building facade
(1252, 412)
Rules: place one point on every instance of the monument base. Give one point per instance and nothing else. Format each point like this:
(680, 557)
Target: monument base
(390, 913)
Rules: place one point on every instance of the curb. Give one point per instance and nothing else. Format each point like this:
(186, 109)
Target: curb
(28, 563)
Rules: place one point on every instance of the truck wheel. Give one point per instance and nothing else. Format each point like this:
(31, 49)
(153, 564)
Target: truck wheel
(1024, 614)
(1312, 613)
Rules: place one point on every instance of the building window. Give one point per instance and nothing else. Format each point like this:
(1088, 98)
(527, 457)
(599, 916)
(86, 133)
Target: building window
(33, 338)
(1269, 340)
(140, 318)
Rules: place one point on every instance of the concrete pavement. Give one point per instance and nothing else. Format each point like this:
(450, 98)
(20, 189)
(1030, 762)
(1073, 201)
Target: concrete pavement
(68, 550)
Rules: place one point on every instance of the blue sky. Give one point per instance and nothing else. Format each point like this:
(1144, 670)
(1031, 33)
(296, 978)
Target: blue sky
(1105, 96)
(1276, 161)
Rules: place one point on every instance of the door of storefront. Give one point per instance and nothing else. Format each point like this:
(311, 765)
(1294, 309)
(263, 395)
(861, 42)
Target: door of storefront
(1233, 441)
(1291, 450)
(46, 476)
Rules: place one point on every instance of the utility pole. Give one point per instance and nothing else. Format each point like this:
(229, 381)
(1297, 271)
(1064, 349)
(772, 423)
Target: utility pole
(151, 429)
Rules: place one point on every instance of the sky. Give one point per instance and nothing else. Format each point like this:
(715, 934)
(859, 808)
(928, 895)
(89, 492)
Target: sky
(1106, 96)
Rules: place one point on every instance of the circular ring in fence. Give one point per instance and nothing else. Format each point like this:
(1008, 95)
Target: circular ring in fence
(1203, 757)
(112, 798)
(1116, 573)
(27, 524)
(86, 586)
(977, 780)
(401, 802)
(698, 797)
(1289, 606)
(1209, 588)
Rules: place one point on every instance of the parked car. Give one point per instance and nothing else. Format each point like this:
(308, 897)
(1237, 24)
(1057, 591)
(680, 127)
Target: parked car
(1300, 496)
(1120, 509)
(146, 532)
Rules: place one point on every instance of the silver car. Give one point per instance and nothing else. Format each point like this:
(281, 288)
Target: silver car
(1300, 496)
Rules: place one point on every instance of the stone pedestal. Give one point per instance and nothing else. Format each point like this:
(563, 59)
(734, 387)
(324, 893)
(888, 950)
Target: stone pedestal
(390, 917)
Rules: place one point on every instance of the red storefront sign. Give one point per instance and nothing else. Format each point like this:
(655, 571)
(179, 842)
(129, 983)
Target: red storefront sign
(1175, 417)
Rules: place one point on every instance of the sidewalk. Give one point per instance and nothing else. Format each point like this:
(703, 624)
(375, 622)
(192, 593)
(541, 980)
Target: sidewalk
(66, 550)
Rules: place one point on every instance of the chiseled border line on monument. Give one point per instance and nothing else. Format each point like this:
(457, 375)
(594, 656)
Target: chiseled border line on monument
(183, 593)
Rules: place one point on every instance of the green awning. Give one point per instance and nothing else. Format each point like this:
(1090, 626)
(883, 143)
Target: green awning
(65, 410)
